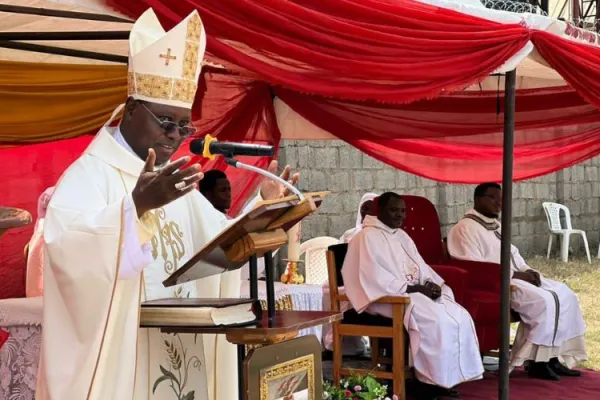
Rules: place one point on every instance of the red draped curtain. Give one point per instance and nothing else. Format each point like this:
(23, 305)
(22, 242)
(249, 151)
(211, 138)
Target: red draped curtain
(383, 75)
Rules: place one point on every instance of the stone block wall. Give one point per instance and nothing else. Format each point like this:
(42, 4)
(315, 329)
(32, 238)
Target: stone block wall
(348, 174)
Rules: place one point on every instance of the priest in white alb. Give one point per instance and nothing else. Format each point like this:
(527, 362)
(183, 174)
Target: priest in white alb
(382, 260)
(551, 331)
(123, 218)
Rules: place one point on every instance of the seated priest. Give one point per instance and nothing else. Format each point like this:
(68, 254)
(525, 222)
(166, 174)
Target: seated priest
(217, 189)
(365, 207)
(552, 329)
(352, 345)
(34, 282)
(382, 260)
(122, 219)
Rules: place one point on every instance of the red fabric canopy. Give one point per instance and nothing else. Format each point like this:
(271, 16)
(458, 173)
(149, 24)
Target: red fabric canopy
(352, 67)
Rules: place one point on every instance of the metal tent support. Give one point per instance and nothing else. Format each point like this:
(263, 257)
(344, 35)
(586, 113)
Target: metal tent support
(61, 13)
(61, 51)
(505, 257)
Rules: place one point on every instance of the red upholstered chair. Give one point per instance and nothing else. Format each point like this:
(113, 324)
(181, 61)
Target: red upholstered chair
(423, 226)
(470, 282)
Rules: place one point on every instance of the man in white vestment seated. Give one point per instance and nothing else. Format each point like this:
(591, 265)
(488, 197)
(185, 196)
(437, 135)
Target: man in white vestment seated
(122, 219)
(551, 331)
(382, 260)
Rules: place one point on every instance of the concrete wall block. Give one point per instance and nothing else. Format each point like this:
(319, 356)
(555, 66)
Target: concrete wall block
(526, 228)
(385, 180)
(350, 158)
(340, 224)
(431, 193)
(371, 163)
(318, 180)
(363, 180)
(325, 158)
(333, 204)
(401, 180)
(519, 208)
(305, 156)
(526, 190)
(534, 209)
(339, 181)
(591, 173)
(288, 155)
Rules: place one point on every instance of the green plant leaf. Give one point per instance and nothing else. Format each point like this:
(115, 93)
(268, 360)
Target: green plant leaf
(371, 383)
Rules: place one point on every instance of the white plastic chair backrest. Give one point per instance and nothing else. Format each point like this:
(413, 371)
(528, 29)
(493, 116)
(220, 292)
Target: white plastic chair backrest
(315, 259)
(553, 216)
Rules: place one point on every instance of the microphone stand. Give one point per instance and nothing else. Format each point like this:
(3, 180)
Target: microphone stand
(268, 257)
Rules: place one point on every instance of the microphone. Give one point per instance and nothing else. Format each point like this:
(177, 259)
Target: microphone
(209, 147)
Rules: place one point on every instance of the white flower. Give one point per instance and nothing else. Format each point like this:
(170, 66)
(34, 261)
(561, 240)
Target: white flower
(387, 398)
(325, 395)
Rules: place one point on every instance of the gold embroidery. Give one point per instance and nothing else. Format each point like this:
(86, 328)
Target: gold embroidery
(153, 86)
(168, 57)
(184, 90)
(130, 83)
(159, 87)
(167, 242)
(190, 61)
(194, 29)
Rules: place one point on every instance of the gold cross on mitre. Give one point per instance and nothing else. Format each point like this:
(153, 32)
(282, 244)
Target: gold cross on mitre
(168, 57)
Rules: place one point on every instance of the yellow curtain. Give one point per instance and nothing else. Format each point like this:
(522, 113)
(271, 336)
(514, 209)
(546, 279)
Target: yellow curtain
(44, 102)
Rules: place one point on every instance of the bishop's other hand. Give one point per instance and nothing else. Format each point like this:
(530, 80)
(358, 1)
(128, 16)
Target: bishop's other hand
(270, 189)
(155, 189)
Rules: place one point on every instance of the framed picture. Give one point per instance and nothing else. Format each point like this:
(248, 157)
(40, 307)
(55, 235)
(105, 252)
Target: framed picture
(290, 370)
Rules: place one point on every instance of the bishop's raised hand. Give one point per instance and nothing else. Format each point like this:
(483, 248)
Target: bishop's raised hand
(155, 189)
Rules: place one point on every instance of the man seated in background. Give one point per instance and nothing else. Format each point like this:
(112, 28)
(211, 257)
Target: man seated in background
(382, 260)
(552, 327)
(365, 207)
(216, 188)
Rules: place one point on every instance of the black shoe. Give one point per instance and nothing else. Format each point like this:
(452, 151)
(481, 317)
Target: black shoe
(560, 369)
(541, 370)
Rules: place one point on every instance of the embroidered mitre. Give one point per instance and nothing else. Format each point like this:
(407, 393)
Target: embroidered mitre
(164, 66)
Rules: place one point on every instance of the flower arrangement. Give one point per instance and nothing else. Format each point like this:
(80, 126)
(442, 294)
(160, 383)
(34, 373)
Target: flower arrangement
(357, 387)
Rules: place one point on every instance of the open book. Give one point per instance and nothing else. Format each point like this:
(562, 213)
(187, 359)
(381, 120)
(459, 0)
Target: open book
(199, 312)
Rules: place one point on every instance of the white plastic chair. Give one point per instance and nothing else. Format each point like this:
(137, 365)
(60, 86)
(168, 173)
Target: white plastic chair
(553, 216)
(315, 259)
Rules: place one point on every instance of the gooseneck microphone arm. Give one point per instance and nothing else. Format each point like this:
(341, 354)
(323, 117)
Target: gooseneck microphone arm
(237, 164)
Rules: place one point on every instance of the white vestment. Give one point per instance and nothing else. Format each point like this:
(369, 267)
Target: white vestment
(92, 346)
(551, 321)
(443, 343)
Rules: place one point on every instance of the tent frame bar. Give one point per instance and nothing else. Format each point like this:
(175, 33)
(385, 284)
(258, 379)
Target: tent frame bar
(505, 246)
(61, 13)
(61, 51)
(39, 36)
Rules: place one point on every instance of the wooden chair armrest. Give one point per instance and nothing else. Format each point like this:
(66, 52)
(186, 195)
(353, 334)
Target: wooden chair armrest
(383, 300)
(393, 300)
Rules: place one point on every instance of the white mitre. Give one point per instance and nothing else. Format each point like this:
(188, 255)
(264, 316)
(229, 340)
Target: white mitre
(164, 66)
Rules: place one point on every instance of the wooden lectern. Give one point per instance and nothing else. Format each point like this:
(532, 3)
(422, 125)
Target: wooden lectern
(255, 234)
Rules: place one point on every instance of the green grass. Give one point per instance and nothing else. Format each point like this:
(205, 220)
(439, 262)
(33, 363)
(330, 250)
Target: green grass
(584, 279)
